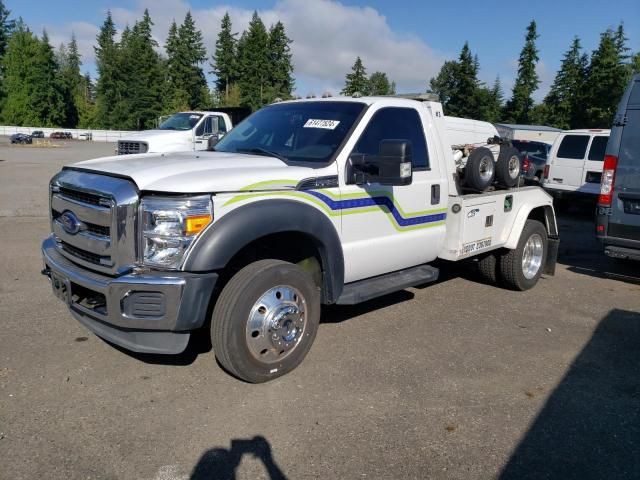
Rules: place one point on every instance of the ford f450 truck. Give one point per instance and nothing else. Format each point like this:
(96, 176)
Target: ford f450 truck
(305, 203)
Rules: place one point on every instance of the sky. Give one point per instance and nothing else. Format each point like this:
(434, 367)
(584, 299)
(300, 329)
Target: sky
(407, 39)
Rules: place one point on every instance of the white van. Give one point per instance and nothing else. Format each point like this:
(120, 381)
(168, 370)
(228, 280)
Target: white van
(574, 165)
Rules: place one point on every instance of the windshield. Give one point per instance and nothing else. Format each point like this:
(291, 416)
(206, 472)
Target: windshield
(181, 121)
(535, 149)
(298, 132)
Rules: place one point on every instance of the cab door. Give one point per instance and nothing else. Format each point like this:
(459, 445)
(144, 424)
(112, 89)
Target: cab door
(389, 228)
(205, 129)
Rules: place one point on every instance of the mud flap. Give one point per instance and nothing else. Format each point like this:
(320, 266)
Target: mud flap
(552, 255)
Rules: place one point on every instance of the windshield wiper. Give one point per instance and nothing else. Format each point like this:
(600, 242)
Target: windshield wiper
(263, 152)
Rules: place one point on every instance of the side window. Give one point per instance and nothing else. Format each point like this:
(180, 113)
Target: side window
(206, 127)
(598, 147)
(395, 123)
(222, 126)
(573, 146)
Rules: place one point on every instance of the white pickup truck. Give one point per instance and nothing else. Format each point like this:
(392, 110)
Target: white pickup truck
(183, 131)
(305, 203)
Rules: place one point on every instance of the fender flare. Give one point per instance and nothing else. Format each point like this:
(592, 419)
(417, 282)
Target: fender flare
(523, 216)
(236, 229)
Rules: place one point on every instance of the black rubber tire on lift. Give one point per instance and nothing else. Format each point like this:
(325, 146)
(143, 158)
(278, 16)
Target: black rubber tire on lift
(488, 267)
(511, 266)
(508, 166)
(479, 172)
(239, 302)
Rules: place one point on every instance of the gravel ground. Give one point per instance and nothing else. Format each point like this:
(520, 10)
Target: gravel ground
(456, 380)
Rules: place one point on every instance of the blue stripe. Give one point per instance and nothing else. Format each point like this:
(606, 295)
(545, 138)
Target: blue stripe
(378, 201)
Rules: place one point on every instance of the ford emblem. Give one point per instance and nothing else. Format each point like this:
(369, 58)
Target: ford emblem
(70, 222)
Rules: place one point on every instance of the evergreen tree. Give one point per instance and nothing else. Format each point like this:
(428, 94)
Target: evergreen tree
(224, 60)
(70, 81)
(6, 27)
(489, 102)
(444, 84)
(518, 107)
(379, 84)
(85, 101)
(357, 80)
(607, 77)
(635, 64)
(564, 102)
(185, 53)
(463, 101)
(253, 64)
(280, 79)
(33, 96)
(108, 85)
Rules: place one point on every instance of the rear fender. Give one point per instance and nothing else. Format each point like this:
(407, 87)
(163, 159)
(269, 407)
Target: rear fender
(543, 213)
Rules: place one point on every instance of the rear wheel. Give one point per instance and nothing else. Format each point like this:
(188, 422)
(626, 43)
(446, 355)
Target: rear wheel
(488, 267)
(479, 171)
(521, 267)
(265, 320)
(508, 166)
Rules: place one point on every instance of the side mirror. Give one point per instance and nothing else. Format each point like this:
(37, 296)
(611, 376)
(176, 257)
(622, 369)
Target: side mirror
(392, 165)
(211, 143)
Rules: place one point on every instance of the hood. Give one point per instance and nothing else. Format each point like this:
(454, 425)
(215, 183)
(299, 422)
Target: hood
(198, 172)
(163, 140)
(156, 134)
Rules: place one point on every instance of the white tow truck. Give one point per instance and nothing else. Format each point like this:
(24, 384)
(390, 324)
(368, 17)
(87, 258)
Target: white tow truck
(180, 132)
(304, 203)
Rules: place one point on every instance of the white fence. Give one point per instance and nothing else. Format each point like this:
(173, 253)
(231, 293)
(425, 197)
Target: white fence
(96, 135)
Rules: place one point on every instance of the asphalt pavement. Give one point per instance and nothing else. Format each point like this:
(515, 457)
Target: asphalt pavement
(456, 380)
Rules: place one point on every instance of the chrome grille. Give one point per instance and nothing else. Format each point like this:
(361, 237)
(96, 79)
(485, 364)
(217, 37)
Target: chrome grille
(128, 148)
(104, 211)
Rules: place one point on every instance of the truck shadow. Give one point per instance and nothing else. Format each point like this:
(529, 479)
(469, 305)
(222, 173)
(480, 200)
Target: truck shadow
(222, 463)
(589, 427)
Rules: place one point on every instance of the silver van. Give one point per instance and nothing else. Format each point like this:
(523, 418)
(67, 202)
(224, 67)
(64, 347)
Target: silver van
(618, 211)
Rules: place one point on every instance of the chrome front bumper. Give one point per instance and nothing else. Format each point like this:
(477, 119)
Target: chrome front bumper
(151, 312)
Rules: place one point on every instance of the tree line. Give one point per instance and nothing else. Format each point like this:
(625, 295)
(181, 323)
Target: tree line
(136, 83)
(584, 94)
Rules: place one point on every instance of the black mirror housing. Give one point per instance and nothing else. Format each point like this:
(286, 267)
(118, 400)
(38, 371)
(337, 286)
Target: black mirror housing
(392, 165)
(211, 142)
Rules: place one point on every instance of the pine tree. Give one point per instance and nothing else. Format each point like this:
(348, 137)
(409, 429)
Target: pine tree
(489, 102)
(107, 86)
(280, 79)
(564, 102)
(444, 84)
(379, 84)
(6, 27)
(607, 77)
(253, 64)
(70, 81)
(464, 97)
(357, 80)
(224, 60)
(518, 107)
(185, 53)
(33, 96)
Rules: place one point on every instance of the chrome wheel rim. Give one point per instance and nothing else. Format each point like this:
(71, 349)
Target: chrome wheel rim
(276, 324)
(532, 256)
(514, 166)
(486, 168)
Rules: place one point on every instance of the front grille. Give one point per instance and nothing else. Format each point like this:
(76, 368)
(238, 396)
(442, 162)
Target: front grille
(85, 255)
(84, 197)
(129, 148)
(104, 212)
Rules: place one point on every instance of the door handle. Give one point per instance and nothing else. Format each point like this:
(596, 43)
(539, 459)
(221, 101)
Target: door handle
(435, 194)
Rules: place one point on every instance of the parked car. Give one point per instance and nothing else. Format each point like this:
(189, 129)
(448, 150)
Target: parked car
(21, 138)
(37, 134)
(618, 212)
(534, 158)
(574, 165)
(86, 136)
(61, 135)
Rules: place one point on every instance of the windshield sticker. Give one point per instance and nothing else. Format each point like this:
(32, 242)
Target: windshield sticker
(326, 124)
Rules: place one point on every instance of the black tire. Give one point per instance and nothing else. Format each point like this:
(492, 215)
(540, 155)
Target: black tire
(488, 268)
(508, 166)
(511, 265)
(479, 172)
(239, 304)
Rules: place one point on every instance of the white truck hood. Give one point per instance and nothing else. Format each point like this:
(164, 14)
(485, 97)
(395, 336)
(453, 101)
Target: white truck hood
(163, 140)
(199, 172)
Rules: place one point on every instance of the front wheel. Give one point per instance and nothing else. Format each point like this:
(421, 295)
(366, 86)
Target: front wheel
(521, 267)
(265, 320)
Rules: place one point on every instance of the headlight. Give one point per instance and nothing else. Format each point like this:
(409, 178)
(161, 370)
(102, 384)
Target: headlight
(170, 226)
